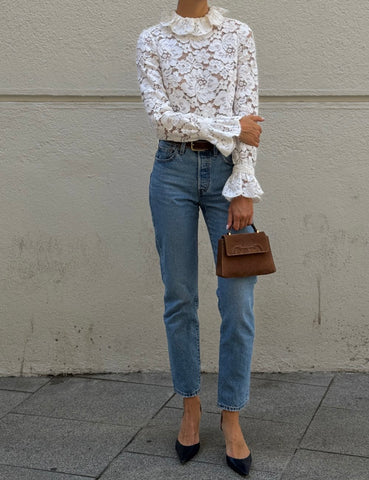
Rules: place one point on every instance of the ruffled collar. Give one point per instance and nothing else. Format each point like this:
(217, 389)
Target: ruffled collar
(194, 26)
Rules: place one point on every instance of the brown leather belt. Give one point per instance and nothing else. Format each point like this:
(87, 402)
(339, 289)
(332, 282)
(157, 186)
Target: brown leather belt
(196, 146)
(200, 145)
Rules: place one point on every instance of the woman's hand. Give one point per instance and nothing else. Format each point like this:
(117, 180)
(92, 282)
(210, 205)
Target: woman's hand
(240, 213)
(251, 130)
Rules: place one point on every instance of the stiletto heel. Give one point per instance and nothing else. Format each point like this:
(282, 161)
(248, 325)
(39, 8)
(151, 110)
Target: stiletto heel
(239, 465)
(186, 452)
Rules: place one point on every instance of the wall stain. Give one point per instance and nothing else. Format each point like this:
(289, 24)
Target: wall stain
(319, 302)
(317, 222)
(41, 258)
(26, 341)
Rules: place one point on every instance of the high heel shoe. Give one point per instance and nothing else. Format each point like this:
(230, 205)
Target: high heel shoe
(239, 465)
(186, 452)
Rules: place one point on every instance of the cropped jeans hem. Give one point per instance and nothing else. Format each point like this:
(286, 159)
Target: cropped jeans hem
(187, 395)
(232, 409)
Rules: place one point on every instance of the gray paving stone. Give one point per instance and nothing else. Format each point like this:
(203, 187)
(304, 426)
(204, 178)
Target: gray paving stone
(10, 399)
(23, 384)
(17, 473)
(309, 465)
(82, 441)
(68, 446)
(339, 430)
(288, 402)
(120, 403)
(272, 444)
(349, 390)
(130, 466)
(311, 378)
(154, 378)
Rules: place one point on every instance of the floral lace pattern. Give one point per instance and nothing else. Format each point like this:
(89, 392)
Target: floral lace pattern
(198, 77)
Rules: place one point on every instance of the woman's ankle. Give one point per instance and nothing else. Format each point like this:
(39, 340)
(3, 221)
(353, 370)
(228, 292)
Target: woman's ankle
(230, 417)
(190, 425)
(191, 403)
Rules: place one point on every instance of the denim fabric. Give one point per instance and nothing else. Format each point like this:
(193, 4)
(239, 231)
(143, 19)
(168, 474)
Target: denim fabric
(182, 182)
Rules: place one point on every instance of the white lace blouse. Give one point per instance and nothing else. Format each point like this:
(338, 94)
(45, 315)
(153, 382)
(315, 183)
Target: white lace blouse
(198, 77)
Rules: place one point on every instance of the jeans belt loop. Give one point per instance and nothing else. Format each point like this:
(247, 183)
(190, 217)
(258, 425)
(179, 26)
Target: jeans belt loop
(182, 147)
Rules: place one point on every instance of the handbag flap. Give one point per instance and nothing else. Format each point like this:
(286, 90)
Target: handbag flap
(246, 243)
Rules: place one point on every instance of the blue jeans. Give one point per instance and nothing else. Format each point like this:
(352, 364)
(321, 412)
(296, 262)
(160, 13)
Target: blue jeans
(182, 182)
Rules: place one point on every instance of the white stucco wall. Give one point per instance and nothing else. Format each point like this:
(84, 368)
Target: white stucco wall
(80, 282)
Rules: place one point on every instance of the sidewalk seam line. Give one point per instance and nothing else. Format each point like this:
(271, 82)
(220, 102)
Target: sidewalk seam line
(334, 453)
(71, 419)
(133, 438)
(47, 471)
(307, 427)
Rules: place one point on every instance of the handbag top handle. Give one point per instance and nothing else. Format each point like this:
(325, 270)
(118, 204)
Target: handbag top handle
(253, 226)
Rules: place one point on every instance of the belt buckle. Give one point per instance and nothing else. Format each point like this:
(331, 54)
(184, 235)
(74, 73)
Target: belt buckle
(194, 149)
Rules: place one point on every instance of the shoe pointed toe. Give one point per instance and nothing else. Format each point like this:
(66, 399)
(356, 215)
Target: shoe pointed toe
(240, 465)
(185, 453)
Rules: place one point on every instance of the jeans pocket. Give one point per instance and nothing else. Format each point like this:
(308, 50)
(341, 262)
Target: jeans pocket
(166, 152)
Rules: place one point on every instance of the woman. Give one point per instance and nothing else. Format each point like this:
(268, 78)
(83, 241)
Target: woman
(198, 79)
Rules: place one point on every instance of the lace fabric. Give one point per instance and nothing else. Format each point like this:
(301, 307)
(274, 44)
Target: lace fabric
(194, 26)
(198, 77)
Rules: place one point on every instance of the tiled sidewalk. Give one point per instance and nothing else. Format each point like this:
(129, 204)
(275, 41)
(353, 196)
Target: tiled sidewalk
(311, 426)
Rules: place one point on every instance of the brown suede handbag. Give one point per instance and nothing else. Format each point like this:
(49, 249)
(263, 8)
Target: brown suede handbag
(244, 255)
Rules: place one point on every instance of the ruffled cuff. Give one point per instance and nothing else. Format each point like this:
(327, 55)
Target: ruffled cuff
(222, 132)
(242, 182)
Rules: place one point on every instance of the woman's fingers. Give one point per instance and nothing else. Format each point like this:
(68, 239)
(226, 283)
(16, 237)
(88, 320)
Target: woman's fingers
(229, 219)
(256, 118)
(240, 213)
(233, 219)
(251, 130)
(236, 223)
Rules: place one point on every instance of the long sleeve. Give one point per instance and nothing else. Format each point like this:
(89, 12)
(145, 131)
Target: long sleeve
(243, 181)
(177, 126)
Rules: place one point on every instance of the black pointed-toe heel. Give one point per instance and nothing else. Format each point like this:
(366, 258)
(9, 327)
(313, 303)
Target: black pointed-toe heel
(186, 452)
(239, 465)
